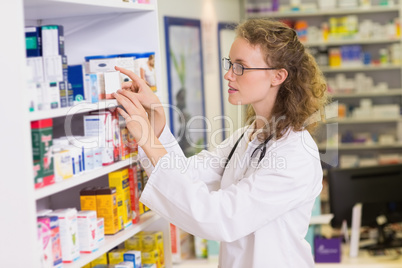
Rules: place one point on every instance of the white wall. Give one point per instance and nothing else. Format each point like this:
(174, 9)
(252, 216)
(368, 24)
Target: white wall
(210, 12)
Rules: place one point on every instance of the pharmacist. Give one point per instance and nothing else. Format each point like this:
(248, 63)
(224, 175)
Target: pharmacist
(255, 192)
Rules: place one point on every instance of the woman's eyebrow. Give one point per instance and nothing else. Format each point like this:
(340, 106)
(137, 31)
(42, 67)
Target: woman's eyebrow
(237, 60)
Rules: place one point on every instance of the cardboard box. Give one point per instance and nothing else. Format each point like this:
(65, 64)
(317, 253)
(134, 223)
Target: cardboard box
(327, 250)
(100, 124)
(102, 260)
(112, 83)
(33, 41)
(52, 95)
(87, 225)
(120, 180)
(134, 242)
(36, 63)
(151, 257)
(52, 40)
(106, 208)
(42, 140)
(56, 243)
(46, 241)
(53, 68)
(133, 256)
(134, 193)
(100, 231)
(76, 78)
(116, 256)
(68, 234)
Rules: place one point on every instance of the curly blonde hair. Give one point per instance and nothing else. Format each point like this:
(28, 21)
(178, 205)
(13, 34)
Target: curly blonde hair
(303, 94)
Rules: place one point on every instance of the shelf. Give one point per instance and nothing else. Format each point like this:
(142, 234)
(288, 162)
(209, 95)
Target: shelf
(390, 92)
(113, 240)
(342, 42)
(359, 146)
(329, 12)
(80, 179)
(76, 109)
(363, 120)
(327, 69)
(51, 9)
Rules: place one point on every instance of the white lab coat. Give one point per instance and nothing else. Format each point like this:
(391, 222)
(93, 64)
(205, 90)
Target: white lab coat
(260, 215)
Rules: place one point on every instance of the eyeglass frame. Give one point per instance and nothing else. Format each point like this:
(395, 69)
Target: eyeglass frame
(242, 67)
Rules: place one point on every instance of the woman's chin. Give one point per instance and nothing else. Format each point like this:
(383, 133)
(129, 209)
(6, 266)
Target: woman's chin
(234, 101)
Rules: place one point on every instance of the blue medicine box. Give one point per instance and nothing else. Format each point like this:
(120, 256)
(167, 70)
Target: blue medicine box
(33, 42)
(76, 78)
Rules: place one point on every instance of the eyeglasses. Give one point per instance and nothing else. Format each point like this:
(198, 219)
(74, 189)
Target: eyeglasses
(238, 69)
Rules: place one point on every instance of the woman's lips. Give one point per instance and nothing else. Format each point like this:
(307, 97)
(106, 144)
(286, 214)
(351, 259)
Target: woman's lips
(232, 90)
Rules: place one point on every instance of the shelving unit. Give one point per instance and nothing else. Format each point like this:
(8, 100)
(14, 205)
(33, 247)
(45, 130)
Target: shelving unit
(360, 146)
(91, 28)
(81, 179)
(364, 120)
(148, 221)
(389, 93)
(332, 12)
(378, 72)
(349, 42)
(361, 68)
(83, 107)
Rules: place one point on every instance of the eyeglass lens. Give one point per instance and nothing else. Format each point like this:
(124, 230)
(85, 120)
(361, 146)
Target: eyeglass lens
(237, 68)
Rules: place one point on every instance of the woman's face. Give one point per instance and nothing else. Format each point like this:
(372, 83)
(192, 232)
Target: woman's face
(151, 62)
(254, 86)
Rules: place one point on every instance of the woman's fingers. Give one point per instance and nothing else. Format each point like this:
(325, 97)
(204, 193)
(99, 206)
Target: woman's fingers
(135, 78)
(133, 97)
(123, 113)
(127, 85)
(127, 104)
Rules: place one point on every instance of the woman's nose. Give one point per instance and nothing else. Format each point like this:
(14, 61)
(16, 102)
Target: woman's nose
(229, 74)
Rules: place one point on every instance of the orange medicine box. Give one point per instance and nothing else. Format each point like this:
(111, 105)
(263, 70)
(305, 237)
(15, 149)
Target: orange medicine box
(120, 180)
(88, 198)
(106, 208)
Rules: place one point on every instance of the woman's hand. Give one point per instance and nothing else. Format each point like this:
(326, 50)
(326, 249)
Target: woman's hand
(139, 88)
(135, 116)
(139, 126)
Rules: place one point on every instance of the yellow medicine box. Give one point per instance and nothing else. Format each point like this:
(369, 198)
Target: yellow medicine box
(106, 208)
(116, 256)
(101, 260)
(120, 180)
(151, 257)
(134, 242)
(88, 198)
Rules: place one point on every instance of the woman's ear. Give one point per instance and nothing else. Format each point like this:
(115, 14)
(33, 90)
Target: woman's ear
(279, 77)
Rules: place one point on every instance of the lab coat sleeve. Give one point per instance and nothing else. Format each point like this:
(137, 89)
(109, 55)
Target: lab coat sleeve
(240, 209)
(168, 141)
(214, 160)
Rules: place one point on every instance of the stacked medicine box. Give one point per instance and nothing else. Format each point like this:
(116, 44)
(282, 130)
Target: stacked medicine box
(48, 65)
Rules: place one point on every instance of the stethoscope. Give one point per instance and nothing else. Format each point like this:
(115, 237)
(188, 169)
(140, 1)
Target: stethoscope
(261, 147)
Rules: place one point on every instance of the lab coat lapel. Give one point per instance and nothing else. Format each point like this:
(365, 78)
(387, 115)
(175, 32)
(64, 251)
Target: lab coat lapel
(237, 165)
